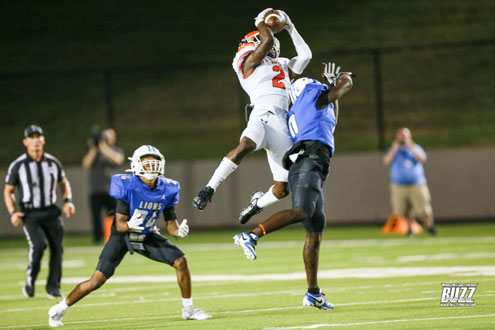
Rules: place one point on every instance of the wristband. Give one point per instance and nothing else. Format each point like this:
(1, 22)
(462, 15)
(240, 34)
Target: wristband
(12, 212)
(68, 200)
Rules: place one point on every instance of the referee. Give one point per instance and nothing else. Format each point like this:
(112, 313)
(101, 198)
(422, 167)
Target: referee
(36, 174)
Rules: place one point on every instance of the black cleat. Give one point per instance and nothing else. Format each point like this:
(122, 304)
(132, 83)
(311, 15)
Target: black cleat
(28, 291)
(432, 231)
(252, 209)
(203, 198)
(53, 294)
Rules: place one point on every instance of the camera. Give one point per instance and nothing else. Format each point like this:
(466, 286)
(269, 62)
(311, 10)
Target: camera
(97, 135)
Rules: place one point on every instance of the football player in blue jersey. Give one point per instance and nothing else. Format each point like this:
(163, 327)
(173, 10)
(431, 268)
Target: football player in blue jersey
(312, 120)
(141, 197)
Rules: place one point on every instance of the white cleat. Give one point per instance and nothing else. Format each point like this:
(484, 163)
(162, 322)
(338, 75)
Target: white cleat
(55, 315)
(194, 314)
(248, 244)
(317, 301)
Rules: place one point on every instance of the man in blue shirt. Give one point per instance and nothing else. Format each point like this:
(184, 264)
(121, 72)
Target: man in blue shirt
(312, 120)
(409, 193)
(141, 198)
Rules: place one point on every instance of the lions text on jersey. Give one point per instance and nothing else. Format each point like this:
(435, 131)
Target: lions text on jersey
(143, 200)
(269, 79)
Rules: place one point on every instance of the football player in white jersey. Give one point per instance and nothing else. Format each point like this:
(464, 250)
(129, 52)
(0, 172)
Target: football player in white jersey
(266, 78)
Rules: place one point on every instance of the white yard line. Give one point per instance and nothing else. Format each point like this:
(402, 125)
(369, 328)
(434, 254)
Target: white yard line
(328, 325)
(261, 310)
(447, 256)
(292, 244)
(368, 272)
(233, 295)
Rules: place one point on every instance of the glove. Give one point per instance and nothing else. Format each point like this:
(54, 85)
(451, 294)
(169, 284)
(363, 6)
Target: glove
(183, 229)
(135, 222)
(261, 16)
(330, 73)
(289, 26)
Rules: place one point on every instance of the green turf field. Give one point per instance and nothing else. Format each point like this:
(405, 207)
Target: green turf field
(375, 282)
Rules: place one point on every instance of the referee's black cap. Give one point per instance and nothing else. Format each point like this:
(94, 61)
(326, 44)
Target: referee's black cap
(33, 129)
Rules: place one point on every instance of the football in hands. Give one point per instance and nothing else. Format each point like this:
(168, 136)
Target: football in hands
(275, 21)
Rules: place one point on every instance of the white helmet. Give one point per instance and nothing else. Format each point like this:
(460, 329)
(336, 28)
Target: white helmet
(150, 168)
(298, 86)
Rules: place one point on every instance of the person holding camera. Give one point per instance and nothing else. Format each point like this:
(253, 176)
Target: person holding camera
(102, 158)
(409, 193)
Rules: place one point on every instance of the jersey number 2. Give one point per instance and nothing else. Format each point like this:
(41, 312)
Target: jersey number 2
(277, 79)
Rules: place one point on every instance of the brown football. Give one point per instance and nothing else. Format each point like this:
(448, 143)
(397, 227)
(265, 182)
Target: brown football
(275, 20)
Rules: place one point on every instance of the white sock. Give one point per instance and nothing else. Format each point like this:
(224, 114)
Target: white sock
(226, 168)
(267, 199)
(64, 305)
(187, 303)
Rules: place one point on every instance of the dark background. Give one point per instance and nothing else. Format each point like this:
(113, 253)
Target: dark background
(160, 72)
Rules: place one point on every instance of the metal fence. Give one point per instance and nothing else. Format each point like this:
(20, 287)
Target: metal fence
(443, 92)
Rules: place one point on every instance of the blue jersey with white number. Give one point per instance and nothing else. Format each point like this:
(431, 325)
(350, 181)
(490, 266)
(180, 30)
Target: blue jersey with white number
(141, 199)
(405, 169)
(307, 123)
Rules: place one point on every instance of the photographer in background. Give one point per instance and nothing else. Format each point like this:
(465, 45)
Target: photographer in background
(408, 189)
(102, 159)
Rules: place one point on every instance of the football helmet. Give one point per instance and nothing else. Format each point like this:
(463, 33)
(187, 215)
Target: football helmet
(149, 168)
(253, 38)
(298, 86)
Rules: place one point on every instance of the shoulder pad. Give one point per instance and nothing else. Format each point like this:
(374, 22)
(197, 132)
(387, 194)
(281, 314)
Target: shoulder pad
(119, 186)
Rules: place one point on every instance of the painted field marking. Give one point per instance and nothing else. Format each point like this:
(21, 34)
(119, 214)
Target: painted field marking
(315, 326)
(233, 295)
(290, 244)
(366, 272)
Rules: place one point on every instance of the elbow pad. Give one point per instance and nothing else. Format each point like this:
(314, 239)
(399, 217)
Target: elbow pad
(298, 64)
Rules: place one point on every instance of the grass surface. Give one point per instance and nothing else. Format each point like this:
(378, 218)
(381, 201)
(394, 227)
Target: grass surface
(375, 281)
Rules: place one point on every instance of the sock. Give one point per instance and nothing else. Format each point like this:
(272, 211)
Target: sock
(187, 303)
(314, 290)
(64, 305)
(226, 168)
(267, 199)
(253, 236)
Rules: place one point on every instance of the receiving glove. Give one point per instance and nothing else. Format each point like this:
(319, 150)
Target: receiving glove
(183, 229)
(135, 222)
(289, 26)
(330, 73)
(261, 16)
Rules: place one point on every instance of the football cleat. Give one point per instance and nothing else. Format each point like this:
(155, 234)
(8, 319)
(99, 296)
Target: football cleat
(247, 242)
(317, 300)
(252, 209)
(28, 291)
(194, 314)
(203, 198)
(55, 315)
(54, 294)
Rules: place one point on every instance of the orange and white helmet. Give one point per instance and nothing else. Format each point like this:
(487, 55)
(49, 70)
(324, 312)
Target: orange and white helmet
(253, 39)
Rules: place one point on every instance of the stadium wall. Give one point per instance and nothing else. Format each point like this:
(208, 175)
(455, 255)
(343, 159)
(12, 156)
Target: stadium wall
(462, 184)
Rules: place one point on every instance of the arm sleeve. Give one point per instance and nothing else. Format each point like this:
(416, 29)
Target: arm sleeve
(122, 207)
(169, 213)
(298, 64)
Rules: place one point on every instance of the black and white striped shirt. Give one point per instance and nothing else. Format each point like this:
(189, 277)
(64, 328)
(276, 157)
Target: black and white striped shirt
(37, 181)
